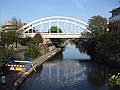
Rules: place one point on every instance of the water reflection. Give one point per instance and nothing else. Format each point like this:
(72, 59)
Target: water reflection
(97, 75)
(68, 75)
(71, 52)
(64, 73)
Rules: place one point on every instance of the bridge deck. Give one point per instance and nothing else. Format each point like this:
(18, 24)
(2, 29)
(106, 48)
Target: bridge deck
(55, 35)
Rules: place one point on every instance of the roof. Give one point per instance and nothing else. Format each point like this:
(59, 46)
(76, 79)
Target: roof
(115, 9)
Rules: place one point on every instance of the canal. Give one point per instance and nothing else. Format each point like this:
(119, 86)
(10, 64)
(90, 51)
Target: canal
(70, 69)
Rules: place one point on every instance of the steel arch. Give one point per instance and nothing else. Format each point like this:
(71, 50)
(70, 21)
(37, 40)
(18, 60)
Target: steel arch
(64, 19)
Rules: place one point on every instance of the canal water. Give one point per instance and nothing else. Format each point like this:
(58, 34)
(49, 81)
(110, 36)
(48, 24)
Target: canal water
(70, 69)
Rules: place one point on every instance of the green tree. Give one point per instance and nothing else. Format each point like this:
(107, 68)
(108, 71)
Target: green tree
(97, 25)
(25, 41)
(56, 41)
(55, 29)
(38, 38)
(32, 51)
(97, 35)
(9, 37)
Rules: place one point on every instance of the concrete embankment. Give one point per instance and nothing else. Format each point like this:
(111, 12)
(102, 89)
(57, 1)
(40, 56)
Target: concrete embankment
(36, 63)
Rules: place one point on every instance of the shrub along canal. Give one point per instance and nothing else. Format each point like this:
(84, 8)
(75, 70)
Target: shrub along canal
(70, 69)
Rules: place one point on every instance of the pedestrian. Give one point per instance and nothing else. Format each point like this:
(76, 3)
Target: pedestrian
(3, 80)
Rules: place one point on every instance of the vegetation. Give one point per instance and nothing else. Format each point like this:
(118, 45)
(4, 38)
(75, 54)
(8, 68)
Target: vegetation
(56, 41)
(6, 54)
(97, 34)
(12, 36)
(102, 46)
(38, 38)
(25, 41)
(32, 51)
(9, 37)
(115, 80)
(97, 26)
(35, 51)
(55, 29)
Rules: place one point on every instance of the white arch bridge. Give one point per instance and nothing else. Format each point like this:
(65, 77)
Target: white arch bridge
(72, 28)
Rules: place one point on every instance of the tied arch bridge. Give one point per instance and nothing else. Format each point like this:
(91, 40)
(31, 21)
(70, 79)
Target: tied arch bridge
(71, 28)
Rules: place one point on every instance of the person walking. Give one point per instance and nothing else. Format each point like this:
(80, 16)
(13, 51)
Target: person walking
(3, 80)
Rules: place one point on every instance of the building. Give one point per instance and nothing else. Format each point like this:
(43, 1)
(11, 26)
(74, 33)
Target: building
(8, 25)
(114, 22)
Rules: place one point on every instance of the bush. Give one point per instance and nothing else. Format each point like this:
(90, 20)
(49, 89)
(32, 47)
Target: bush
(5, 54)
(114, 80)
(32, 51)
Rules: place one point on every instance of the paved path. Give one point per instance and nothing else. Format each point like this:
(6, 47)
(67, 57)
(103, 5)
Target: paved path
(13, 76)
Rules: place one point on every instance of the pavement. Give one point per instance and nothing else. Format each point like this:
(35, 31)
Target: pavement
(10, 79)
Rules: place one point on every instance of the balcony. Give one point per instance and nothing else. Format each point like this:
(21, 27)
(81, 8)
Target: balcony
(115, 18)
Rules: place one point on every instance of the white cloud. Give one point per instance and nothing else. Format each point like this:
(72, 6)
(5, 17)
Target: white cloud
(78, 4)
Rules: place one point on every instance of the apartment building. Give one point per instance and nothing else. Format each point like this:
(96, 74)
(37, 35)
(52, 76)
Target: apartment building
(114, 22)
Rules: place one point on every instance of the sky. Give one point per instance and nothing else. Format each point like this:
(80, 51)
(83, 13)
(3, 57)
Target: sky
(29, 10)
